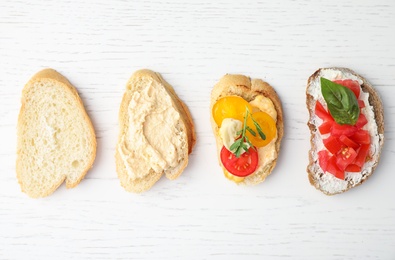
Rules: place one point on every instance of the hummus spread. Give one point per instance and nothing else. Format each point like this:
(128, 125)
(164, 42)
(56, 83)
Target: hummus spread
(153, 137)
(267, 153)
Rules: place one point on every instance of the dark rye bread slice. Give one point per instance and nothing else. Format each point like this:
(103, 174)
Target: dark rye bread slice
(316, 175)
(247, 88)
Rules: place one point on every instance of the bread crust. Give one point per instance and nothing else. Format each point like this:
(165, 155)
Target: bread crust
(57, 78)
(313, 169)
(144, 184)
(247, 88)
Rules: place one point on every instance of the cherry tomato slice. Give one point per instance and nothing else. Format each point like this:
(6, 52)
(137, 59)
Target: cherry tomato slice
(230, 107)
(243, 166)
(268, 126)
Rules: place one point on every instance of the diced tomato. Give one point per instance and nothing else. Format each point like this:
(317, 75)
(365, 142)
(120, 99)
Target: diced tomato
(361, 121)
(338, 130)
(345, 157)
(321, 112)
(361, 104)
(353, 168)
(332, 168)
(332, 144)
(325, 127)
(348, 142)
(347, 146)
(323, 157)
(362, 154)
(361, 137)
(353, 85)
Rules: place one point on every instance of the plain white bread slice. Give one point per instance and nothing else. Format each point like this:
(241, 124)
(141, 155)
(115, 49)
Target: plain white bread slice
(56, 140)
(249, 89)
(326, 182)
(156, 132)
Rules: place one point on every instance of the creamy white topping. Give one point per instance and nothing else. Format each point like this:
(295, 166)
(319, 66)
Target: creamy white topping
(228, 131)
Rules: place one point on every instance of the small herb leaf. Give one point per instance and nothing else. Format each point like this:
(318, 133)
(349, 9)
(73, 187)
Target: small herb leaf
(341, 101)
(259, 129)
(235, 145)
(251, 131)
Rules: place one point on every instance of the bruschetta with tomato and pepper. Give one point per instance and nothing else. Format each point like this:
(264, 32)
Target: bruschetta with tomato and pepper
(347, 129)
(247, 121)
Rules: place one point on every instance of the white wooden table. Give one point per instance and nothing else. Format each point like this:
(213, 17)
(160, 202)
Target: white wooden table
(97, 45)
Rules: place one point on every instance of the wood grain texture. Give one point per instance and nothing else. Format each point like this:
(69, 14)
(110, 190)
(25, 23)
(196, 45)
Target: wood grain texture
(97, 45)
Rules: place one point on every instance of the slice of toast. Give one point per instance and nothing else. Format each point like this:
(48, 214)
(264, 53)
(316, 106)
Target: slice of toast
(326, 182)
(156, 132)
(56, 140)
(240, 85)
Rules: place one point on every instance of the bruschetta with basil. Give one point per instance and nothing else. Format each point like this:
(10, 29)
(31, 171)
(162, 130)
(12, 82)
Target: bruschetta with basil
(347, 129)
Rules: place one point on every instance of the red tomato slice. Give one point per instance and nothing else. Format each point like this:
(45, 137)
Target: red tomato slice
(325, 127)
(323, 158)
(361, 137)
(243, 166)
(353, 85)
(332, 168)
(345, 157)
(332, 144)
(338, 130)
(321, 112)
(361, 121)
(353, 168)
(362, 154)
(348, 142)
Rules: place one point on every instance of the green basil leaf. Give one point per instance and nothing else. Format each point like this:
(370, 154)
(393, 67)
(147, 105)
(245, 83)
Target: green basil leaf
(341, 101)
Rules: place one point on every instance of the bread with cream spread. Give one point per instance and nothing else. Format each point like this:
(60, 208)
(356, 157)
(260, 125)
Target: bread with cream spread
(156, 132)
(324, 181)
(56, 140)
(254, 91)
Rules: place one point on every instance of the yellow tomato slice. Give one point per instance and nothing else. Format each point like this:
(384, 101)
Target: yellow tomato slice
(268, 126)
(230, 107)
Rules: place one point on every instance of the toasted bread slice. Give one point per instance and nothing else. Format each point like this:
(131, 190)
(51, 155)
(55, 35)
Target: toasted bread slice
(249, 89)
(56, 140)
(156, 132)
(326, 182)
